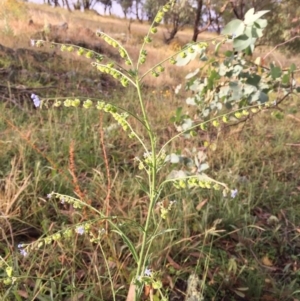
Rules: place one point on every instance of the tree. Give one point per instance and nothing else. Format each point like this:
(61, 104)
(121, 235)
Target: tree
(66, 2)
(107, 5)
(138, 4)
(126, 6)
(179, 16)
(151, 7)
(284, 25)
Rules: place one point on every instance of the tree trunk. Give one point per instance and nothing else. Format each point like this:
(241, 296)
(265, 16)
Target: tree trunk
(66, 2)
(137, 10)
(197, 19)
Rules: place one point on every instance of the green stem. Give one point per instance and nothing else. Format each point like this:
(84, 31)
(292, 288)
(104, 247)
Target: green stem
(152, 183)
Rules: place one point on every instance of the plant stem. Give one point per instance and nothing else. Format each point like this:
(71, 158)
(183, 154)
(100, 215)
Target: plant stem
(152, 182)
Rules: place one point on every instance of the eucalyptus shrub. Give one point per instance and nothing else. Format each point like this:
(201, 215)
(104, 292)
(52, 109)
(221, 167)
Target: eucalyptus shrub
(224, 89)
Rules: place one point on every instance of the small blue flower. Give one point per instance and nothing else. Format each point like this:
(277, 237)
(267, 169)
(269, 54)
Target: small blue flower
(80, 230)
(36, 100)
(234, 193)
(23, 252)
(148, 272)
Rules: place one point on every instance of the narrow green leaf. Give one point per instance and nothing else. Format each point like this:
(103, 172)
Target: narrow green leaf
(129, 245)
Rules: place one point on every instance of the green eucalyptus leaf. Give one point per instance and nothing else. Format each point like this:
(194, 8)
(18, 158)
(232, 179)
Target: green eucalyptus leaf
(237, 69)
(192, 74)
(261, 23)
(191, 101)
(275, 71)
(253, 80)
(235, 27)
(293, 67)
(242, 42)
(173, 158)
(286, 79)
(256, 32)
(251, 16)
(202, 167)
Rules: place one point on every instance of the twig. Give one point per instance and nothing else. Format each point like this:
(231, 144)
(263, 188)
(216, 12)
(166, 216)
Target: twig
(293, 117)
(281, 44)
(293, 144)
(107, 198)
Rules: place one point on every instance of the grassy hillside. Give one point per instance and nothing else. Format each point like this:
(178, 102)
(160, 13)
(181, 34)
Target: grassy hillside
(242, 248)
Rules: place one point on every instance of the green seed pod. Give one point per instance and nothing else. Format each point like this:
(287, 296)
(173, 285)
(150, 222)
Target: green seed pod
(114, 44)
(245, 113)
(183, 54)
(99, 58)
(70, 48)
(101, 68)
(57, 103)
(216, 187)
(203, 127)
(193, 133)
(63, 48)
(182, 184)
(160, 68)
(128, 63)
(7, 281)
(225, 119)
(158, 19)
(89, 55)
(238, 115)
(100, 105)
(110, 65)
(166, 8)
(124, 82)
(122, 53)
(172, 61)
(154, 30)
(216, 123)
(207, 185)
(87, 104)
(80, 51)
(201, 184)
(191, 50)
(254, 110)
(75, 102)
(147, 40)
(155, 74)
(107, 40)
(160, 14)
(67, 102)
(56, 236)
(116, 75)
(39, 44)
(144, 52)
(142, 60)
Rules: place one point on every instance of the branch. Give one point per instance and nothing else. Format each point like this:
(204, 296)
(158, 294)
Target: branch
(281, 44)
